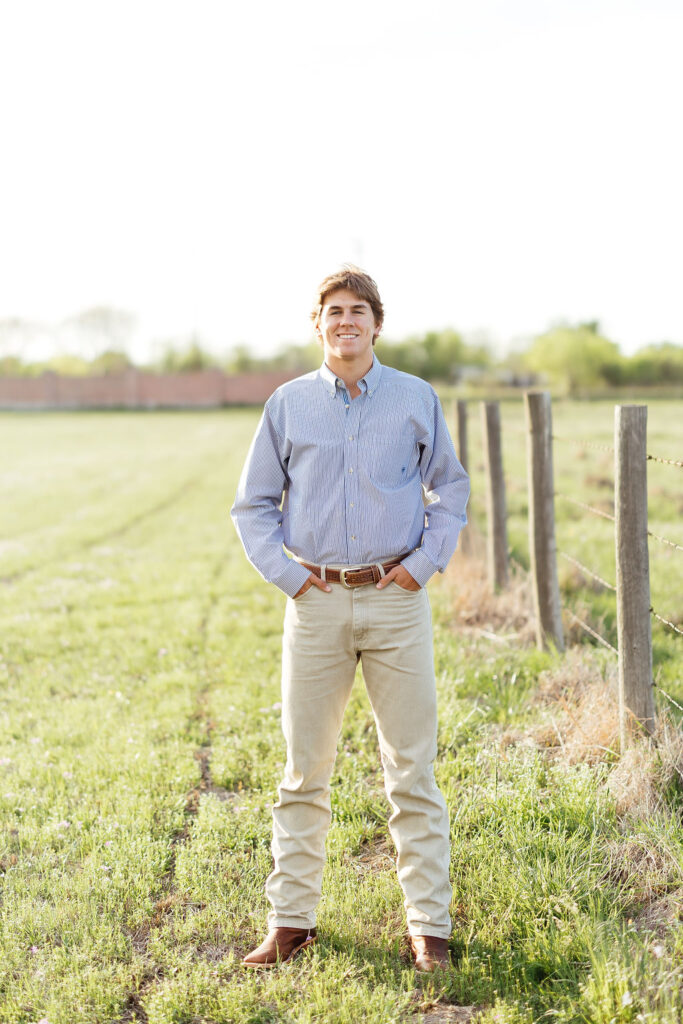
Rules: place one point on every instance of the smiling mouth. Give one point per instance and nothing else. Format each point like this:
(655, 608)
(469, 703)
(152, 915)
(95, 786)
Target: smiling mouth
(347, 337)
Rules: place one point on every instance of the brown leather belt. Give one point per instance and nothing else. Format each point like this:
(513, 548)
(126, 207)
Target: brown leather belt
(353, 575)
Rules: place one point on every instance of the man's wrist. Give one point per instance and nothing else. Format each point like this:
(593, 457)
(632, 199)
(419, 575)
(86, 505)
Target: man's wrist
(293, 578)
(419, 567)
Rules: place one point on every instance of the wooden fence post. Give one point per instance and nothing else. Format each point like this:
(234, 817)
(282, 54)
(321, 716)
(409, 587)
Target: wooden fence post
(496, 513)
(542, 547)
(636, 697)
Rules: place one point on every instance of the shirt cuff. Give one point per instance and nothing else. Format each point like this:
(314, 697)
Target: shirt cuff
(293, 578)
(419, 566)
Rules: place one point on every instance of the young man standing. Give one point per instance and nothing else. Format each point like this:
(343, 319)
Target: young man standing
(336, 475)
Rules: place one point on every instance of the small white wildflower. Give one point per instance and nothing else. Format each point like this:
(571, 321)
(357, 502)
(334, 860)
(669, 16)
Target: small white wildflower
(626, 999)
(658, 951)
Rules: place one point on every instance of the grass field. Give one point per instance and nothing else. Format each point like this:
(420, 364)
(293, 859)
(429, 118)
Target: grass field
(140, 749)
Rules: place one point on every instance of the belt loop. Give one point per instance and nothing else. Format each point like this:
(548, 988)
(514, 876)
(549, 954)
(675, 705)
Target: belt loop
(382, 573)
(323, 573)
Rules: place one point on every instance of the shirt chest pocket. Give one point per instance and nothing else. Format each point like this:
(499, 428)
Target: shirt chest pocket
(390, 461)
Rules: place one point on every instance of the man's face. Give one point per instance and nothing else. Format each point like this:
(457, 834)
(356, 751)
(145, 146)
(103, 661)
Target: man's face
(347, 327)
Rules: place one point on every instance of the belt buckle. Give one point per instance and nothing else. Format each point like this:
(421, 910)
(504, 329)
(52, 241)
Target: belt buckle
(350, 568)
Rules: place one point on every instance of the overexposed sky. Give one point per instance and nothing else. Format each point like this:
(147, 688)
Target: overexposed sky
(495, 165)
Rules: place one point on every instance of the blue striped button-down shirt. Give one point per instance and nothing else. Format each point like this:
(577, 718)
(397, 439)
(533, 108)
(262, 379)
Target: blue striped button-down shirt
(339, 481)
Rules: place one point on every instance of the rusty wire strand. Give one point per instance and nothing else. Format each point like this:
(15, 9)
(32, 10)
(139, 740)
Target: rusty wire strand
(582, 504)
(663, 540)
(584, 444)
(666, 622)
(668, 697)
(589, 629)
(666, 462)
(584, 568)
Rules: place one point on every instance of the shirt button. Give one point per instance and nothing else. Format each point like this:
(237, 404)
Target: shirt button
(350, 437)
(351, 469)
(346, 405)
(353, 536)
(280, 524)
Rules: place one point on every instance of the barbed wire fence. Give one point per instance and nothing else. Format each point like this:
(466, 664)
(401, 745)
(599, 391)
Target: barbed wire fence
(633, 648)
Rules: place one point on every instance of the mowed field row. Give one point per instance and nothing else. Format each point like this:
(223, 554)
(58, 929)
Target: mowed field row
(140, 751)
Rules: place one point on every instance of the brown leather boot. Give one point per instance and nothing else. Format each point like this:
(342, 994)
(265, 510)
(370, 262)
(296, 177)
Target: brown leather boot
(430, 953)
(280, 946)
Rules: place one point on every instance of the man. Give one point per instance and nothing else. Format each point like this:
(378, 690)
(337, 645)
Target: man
(336, 474)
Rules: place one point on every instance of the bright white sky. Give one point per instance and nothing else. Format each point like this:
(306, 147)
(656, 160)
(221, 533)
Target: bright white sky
(494, 164)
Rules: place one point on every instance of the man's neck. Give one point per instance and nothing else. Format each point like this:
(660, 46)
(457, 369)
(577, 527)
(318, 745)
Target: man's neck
(350, 373)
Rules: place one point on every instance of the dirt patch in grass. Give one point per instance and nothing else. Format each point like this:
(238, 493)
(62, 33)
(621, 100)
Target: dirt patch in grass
(442, 1014)
(436, 1012)
(661, 916)
(374, 857)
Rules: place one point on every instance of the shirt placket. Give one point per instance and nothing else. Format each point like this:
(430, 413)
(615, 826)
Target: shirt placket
(351, 489)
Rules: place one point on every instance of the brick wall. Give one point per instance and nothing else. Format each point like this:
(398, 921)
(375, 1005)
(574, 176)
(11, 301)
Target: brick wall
(135, 390)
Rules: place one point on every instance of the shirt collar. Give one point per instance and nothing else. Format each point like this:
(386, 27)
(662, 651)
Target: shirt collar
(367, 383)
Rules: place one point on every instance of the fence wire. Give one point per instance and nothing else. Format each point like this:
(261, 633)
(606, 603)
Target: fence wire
(668, 697)
(589, 629)
(671, 625)
(586, 570)
(612, 519)
(581, 443)
(664, 540)
(588, 508)
(666, 462)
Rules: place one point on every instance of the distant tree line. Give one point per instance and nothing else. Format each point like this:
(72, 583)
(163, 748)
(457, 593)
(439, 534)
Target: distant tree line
(572, 359)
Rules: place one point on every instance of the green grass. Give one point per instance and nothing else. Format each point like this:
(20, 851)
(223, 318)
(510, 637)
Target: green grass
(140, 749)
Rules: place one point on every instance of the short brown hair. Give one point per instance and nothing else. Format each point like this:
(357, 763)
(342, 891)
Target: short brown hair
(358, 282)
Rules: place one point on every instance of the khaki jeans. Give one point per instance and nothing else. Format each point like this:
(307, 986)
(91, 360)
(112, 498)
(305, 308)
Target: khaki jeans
(324, 636)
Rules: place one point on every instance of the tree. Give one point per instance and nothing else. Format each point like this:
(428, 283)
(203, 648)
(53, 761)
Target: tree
(575, 358)
(186, 356)
(110, 361)
(436, 355)
(655, 364)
